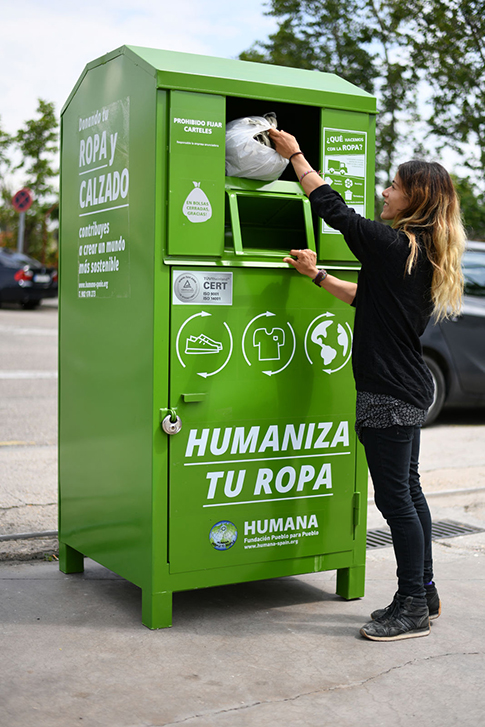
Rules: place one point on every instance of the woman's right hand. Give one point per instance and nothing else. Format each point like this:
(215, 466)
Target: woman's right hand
(285, 144)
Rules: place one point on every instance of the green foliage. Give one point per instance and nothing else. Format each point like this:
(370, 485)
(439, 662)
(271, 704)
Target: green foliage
(394, 49)
(5, 143)
(362, 41)
(472, 207)
(7, 214)
(318, 36)
(37, 142)
(396, 78)
(450, 45)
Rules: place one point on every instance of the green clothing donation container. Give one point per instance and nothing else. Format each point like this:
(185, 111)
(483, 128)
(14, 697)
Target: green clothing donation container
(206, 393)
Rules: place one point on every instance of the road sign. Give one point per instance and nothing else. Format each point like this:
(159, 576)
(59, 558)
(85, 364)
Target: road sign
(22, 201)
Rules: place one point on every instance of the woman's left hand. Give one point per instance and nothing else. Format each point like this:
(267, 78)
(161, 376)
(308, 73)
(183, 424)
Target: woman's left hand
(305, 262)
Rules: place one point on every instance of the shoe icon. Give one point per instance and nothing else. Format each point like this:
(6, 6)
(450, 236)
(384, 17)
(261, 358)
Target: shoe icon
(201, 344)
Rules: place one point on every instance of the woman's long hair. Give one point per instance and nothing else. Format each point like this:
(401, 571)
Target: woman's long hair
(433, 213)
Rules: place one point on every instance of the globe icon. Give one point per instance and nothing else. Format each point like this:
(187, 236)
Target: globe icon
(223, 535)
(334, 341)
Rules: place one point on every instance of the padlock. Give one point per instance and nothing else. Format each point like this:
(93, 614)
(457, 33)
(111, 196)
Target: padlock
(171, 427)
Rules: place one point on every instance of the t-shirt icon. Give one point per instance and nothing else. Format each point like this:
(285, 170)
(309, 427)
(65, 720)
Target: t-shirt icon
(269, 343)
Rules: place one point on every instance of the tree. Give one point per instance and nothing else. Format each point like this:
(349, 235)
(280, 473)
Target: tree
(37, 141)
(317, 35)
(6, 211)
(472, 207)
(396, 81)
(5, 143)
(450, 45)
(362, 41)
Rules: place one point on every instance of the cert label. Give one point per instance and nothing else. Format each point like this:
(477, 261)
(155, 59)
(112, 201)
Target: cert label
(195, 287)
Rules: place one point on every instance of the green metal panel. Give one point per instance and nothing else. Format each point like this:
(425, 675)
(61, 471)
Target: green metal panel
(348, 164)
(106, 333)
(161, 368)
(196, 174)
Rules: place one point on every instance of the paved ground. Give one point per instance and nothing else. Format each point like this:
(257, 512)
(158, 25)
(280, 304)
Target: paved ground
(273, 653)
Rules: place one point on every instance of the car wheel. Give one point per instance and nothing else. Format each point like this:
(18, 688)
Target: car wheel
(30, 304)
(439, 390)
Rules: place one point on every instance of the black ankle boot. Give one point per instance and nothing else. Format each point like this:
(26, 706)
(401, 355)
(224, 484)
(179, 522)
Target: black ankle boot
(407, 618)
(381, 614)
(432, 599)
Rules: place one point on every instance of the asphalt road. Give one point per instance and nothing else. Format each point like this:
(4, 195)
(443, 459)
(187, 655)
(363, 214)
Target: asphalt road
(452, 454)
(28, 425)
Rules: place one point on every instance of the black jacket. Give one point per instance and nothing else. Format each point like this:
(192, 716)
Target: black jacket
(392, 307)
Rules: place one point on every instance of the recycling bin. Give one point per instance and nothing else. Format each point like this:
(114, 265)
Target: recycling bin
(206, 398)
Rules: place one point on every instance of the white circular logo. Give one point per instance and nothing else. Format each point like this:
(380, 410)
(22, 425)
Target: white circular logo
(328, 343)
(187, 287)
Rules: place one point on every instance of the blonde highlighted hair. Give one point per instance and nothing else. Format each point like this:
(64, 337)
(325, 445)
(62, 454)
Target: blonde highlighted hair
(433, 214)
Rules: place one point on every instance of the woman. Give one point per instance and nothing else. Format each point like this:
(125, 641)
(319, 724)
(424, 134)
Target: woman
(409, 272)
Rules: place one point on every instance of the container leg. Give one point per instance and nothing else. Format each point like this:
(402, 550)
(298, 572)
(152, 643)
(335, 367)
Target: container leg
(351, 582)
(70, 560)
(156, 609)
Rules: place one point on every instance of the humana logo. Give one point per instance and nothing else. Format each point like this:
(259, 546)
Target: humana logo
(302, 522)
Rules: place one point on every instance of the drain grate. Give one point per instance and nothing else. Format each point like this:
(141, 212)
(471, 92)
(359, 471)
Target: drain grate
(381, 537)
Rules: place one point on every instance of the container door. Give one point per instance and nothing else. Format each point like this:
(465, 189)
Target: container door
(264, 465)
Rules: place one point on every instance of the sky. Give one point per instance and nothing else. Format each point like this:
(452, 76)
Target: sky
(45, 44)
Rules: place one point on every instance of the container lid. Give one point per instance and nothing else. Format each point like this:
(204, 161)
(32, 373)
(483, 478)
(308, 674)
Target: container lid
(209, 74)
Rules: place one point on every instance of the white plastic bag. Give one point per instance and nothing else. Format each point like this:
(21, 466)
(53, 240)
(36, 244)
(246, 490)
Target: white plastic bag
(246, 156)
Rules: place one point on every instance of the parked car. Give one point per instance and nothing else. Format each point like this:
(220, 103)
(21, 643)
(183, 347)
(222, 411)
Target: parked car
(25, 280)
(455, 348)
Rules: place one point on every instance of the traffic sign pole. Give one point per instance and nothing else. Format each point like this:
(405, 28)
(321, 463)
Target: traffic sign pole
(20, 237)
(21, 202)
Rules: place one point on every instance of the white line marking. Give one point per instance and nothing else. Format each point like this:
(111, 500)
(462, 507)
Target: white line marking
(265, 459)
(28, 331)
(273, 499)
(104, 209)
(28, 374)
(95, 169)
